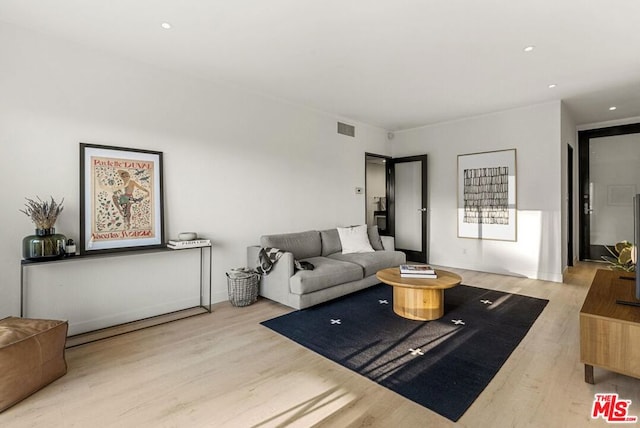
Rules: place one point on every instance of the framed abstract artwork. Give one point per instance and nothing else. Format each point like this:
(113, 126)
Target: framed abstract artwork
(487, 195)
(121, 205)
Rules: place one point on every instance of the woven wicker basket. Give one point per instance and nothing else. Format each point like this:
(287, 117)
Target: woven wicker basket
(243, 286)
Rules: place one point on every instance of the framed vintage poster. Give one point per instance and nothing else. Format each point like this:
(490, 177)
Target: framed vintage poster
(487, 195)
(121, 204)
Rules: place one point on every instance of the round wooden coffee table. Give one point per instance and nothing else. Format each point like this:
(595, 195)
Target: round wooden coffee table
(417, 298)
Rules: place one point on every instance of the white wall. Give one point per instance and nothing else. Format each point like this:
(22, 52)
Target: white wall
(535, 133)
(237, 165)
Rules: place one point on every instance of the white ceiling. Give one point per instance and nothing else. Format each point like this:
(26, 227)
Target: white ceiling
(395, 64)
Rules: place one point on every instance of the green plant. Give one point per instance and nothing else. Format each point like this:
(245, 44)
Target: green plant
(43, 214)
(622, 256)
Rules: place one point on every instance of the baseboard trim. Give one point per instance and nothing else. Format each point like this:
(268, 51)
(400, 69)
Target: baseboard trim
(120, 329)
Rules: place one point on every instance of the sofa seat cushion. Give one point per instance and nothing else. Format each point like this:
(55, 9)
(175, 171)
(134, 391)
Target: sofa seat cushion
(372, 262)
(326, 273)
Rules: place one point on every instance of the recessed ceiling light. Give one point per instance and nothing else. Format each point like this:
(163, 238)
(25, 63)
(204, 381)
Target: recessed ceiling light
(612, 108)
(166, 25)
(553, 85)
(529, 48)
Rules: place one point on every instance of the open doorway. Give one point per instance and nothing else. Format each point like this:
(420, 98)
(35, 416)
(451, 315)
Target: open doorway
(376, 175)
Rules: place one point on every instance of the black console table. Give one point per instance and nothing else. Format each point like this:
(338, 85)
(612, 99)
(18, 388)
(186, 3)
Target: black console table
(90, 336)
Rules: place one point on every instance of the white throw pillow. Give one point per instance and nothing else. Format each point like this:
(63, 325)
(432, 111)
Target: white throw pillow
(355, 239)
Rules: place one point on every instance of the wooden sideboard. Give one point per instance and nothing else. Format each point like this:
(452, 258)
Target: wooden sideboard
(610, 332)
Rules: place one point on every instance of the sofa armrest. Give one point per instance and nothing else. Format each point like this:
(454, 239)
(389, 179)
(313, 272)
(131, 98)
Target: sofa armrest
(388, 242)
(275, 284)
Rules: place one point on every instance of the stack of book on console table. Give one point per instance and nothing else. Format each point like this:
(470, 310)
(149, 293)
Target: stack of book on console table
(194, 243)
(417, 271)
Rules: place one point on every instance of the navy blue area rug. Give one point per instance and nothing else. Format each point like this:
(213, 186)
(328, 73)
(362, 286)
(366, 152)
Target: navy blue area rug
(443, 365)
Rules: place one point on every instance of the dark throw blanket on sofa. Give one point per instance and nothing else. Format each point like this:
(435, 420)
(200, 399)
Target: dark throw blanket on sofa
(268, 256)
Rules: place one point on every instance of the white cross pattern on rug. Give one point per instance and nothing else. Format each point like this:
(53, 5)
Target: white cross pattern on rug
(486, 302)
(415, 352)
(338, 321)
(383, 302)
(458, 322)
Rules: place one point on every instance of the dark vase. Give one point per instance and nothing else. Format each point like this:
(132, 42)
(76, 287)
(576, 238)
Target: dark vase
(45, 244)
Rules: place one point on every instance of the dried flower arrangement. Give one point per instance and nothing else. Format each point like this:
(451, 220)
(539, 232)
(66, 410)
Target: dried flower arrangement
(622, 256)
(43, 214)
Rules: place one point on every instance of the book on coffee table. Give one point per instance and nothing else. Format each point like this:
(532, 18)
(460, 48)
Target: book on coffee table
(417, 269)
(419, 275)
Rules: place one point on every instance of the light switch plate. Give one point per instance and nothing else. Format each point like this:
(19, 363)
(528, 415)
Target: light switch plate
(359, 190)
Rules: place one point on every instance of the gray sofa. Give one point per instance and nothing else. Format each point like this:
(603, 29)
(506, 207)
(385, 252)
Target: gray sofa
(335, 274)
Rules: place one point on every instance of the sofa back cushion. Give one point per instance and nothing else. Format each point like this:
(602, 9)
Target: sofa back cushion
(302, 244)
(374, 238)
(330, 242)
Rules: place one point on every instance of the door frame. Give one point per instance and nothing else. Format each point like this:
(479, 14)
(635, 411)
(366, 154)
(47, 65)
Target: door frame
(586, 250)
(422, 255)
(570, 172)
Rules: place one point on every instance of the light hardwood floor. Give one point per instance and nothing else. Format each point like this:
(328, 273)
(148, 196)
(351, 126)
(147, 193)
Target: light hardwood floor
(225, 370)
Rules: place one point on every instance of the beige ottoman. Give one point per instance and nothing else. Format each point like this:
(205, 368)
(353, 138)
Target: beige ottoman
(31, 356)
